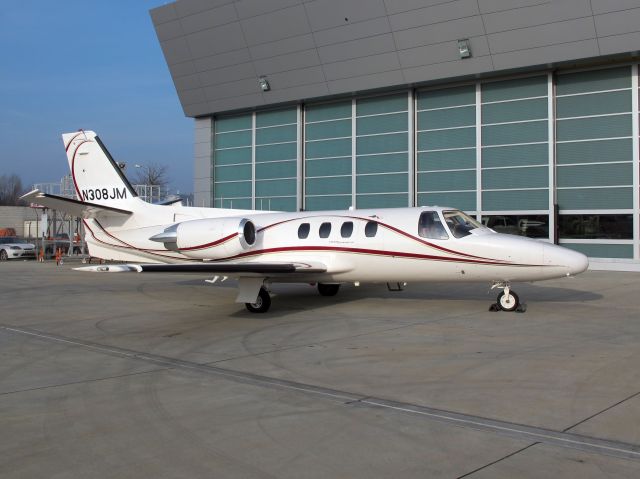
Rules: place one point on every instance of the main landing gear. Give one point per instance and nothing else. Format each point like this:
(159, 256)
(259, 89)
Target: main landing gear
(262, 304)
(507, 300)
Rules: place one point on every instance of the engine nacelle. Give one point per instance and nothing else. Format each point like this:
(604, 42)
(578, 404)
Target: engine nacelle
(209, 238)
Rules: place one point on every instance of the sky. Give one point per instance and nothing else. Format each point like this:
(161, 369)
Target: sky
(93, 65)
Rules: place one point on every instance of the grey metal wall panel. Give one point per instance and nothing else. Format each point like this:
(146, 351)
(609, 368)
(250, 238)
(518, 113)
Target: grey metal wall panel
(439, 32)
(277, 25)
(242, 71)
(169, 30)
(542, 35)
(307, 49)
(202, 162)
(547, 13)
(613, 6)
(357, 48)
(618, 22)
(333, 13)
(210, 18)
(165, 13)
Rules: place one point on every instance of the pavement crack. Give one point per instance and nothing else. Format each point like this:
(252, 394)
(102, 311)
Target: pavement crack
(602, 411)
(497, 460)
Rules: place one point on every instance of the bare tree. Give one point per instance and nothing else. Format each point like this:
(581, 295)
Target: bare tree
(11, 190)
(152, 175)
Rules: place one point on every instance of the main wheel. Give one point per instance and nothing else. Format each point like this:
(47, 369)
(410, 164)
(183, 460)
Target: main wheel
(3, 255)
(326, 289)
(262, 304)
(508, 302)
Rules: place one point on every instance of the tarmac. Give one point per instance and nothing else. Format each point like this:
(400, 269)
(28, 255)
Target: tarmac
(163, 375)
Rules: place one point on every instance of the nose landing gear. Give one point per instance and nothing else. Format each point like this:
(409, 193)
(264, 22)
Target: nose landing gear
(507, 300)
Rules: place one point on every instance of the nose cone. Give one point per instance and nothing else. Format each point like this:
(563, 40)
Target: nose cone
(573, 261)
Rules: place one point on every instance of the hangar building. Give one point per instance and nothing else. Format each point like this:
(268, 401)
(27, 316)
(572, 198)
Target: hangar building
(521, 112)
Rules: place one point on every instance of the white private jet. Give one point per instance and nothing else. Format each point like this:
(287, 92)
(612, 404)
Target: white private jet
(392, 246)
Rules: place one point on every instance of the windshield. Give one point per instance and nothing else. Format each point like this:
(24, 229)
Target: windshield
(11, 240)
(459, 223)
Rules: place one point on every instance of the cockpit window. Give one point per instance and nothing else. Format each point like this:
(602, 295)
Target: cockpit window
(430, 226)
(460, 224)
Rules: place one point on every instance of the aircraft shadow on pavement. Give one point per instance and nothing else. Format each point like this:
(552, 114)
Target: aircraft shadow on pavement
(297, 297)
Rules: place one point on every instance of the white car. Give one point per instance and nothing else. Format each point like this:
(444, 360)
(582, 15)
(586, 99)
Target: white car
(12, 247)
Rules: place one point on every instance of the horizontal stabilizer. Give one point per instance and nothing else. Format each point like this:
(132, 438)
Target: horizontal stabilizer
(210, 267)
(73, 207)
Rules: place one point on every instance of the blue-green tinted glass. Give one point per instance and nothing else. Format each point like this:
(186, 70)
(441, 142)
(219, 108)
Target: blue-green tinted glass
(515, 200)
(602, 250)
(382, 201)
(461, 200)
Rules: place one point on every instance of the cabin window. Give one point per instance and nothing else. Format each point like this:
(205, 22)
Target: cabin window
(303, 230)
(347, 229)
(371, 229)
(325, 230)
(430, 226)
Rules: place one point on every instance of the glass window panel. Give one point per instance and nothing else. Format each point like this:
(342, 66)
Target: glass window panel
(277, 117)
(595, 226)
(515, 111)
(603, 250)
(515, 133)
(464, 95)
(463, 116)
(334, 202)
(232, 190)
(595, 104)
(599, 127)
(233, 139)
(393, 183)
(232, 157)
(618, 174)
(507, 178)
(276, 204)
(598, 80)
(328, 111)
(440, 140)
(382, 163)
(276, 134)
(512, 89)
(232, 173)
(382, 201)
(328, 129)
(278, 169)
(276, 188)
(515, 155)
(237, 203)
(287, 151)
(447, 160)
(515, 200)
(327, 186)
(595, 151)
(595, 198)
(532, 226)
(328, 167)
(328, 148)
(447, 180)
(382, 144)
(382, 124)
(465, 201)
(233, 123)
(386, 104)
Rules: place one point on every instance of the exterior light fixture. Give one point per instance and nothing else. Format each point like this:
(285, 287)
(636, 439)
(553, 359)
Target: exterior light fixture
(464, 48)
(264, 83)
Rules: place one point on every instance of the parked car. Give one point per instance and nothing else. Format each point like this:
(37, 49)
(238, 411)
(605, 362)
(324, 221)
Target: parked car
(12, 248)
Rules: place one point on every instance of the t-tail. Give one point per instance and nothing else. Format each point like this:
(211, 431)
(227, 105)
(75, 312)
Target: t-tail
(97, 178)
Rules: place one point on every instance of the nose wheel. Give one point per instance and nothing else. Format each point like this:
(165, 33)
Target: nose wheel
(507, 300)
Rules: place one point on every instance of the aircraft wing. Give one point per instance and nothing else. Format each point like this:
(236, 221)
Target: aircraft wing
(252, 268)
(74, 207)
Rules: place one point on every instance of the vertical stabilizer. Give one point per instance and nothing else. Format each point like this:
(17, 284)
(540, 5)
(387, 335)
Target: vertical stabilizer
(96, 176)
